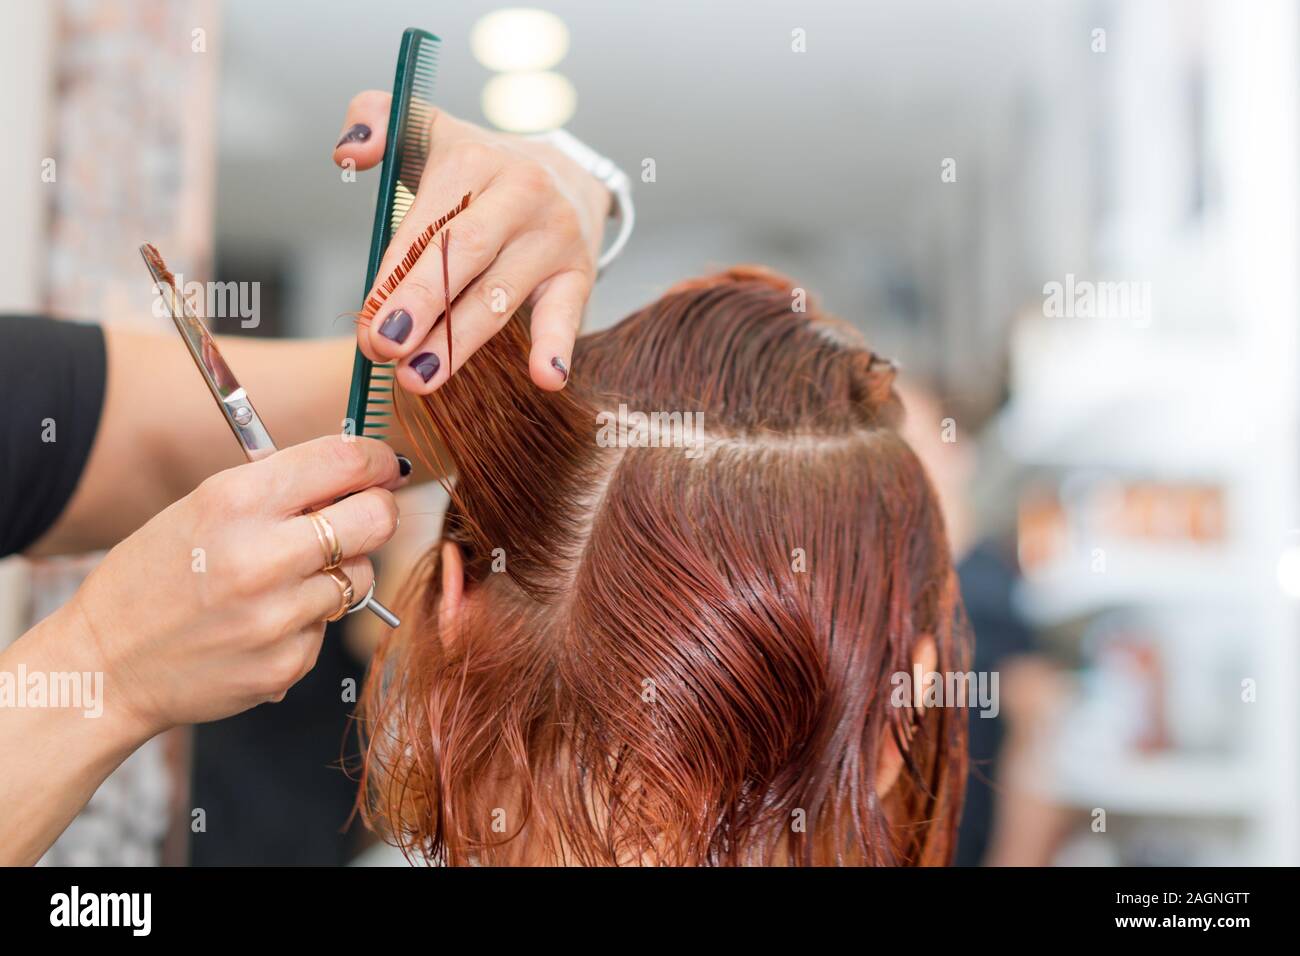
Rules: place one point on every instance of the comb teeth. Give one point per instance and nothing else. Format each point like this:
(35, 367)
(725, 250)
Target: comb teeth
(403, 199)
(414, 135)
(379, 401)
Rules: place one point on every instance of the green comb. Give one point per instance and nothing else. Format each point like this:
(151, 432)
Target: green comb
(370, 399)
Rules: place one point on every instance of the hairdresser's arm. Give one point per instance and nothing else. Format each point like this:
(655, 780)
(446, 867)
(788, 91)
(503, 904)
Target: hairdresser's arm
(531, 234)
(160, 434)
(214, 606)
(55, 757)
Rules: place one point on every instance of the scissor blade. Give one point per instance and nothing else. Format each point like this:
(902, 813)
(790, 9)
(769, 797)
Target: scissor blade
(202, 346)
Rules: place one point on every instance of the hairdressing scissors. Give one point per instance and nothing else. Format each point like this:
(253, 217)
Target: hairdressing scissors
(231, 397)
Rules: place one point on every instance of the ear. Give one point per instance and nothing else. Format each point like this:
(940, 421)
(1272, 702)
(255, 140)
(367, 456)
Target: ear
(925, 659)
(453, 587)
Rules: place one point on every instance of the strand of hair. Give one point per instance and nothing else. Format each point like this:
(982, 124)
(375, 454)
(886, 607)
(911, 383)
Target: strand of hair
(413, 253)
(446, 295)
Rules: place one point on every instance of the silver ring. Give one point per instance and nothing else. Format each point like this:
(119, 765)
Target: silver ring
(364, 601)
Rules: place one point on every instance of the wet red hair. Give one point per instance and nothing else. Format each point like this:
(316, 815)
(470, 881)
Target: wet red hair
(665, 657)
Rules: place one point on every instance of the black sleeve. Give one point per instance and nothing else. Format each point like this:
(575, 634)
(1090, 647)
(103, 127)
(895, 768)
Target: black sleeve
(52, 377)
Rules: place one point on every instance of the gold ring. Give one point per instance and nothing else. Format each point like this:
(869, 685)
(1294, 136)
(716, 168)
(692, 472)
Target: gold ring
(345, 592)
(329, 541)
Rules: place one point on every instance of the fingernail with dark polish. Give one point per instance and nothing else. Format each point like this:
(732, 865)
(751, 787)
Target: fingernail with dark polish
(397, 326)
(558, 364)
(403, 465)
(427, 364)
(356, 133)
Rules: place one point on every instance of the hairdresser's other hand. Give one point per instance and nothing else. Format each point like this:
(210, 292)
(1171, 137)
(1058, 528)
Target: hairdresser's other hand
(217, 604)
(532, 233)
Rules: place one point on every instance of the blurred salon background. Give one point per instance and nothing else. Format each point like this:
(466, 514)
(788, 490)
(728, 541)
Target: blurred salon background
(1074, 224)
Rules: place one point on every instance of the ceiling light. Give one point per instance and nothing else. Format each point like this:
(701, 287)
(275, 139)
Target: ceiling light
(529, 102)
(519, 39)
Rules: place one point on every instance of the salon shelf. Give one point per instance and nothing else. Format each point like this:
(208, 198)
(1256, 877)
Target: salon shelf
(1097, 393)
(1163, 785)
(1135, 575)
(1179, 435)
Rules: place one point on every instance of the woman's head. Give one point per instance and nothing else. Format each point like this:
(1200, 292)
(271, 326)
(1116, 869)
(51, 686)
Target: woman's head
(662, 623)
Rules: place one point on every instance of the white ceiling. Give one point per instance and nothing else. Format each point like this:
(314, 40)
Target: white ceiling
(742, 129)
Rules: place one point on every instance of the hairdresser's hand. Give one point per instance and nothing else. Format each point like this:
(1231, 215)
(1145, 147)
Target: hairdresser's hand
(532, 233)
(217, 604)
